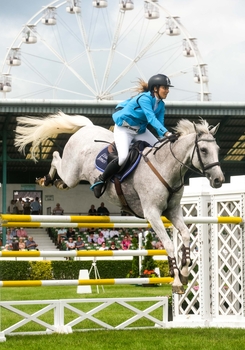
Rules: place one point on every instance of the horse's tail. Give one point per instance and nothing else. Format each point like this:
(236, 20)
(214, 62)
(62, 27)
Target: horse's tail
(38, 130)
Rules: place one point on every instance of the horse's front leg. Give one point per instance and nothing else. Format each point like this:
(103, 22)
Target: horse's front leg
(158, 227)
(176, 217)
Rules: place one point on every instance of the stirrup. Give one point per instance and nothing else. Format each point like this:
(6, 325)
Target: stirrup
(96, 184)
(99, 188)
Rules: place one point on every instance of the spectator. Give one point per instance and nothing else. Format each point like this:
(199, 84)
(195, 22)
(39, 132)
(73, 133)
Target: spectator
(19, 206)
(31, 244)
(102, 210)
(12, 209)
(91, 238)
(126, 242)
(70, 245)
(101, 238)
(114, 233)
(21, 233)
(58, 210)
(159, 245)
(136, 236)
(92, 210)
(106, 233)
(22, 245)
(9, 239)
(80, 244)
(13, 232)
(103, 246)
(61, 233)
(36, 207)
(113, 246)
(70, 233)
(15, 245)
(27, 207)
(62, 244)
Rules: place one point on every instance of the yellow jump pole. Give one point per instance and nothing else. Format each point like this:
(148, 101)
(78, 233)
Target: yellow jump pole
(118, 220)
(87, 282)
(81, 253)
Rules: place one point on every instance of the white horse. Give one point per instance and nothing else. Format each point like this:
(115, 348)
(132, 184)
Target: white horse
(155, 188)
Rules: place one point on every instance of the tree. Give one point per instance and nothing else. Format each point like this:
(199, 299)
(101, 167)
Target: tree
(148, 264)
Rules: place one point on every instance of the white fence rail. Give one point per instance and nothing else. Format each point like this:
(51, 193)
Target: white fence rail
(80, 311)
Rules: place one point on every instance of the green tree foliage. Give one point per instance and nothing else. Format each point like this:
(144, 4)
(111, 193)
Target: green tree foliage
(148, 263)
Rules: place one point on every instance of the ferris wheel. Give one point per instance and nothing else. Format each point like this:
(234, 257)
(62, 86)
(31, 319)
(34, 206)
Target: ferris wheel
(98, 49)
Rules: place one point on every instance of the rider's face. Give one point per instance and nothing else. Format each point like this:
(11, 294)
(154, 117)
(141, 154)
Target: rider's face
(163, 92)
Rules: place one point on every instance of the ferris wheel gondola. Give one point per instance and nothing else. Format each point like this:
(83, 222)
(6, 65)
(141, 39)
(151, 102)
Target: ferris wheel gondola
(96, 50)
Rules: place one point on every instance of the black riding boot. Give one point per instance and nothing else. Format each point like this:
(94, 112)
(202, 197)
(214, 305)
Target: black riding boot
(99, 184)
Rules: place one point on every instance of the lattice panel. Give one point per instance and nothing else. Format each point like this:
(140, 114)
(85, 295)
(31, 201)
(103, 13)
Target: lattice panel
(189, 302)
(229, 243)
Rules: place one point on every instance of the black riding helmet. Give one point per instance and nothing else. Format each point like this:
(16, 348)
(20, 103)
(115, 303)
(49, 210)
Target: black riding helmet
(158, 80)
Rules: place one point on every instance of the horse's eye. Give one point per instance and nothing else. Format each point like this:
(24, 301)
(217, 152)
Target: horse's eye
(203, 150)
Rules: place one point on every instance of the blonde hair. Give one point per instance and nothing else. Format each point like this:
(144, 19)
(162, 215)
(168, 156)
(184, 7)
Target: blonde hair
(142, 86)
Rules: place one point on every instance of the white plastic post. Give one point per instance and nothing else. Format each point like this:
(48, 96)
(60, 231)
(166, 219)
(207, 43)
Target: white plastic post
(84, 275)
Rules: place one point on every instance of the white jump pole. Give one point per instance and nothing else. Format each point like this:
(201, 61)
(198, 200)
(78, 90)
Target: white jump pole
(81, 253)
(112, 219)
(95, 282)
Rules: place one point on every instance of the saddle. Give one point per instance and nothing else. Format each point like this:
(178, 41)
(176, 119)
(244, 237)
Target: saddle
(108, 154)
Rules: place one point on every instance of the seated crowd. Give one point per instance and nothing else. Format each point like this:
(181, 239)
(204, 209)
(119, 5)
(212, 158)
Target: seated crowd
(101, 239)
(83, 239)
(17, 239)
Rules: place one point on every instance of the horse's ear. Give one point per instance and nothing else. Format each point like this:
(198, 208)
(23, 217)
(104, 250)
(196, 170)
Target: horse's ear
(214, 129)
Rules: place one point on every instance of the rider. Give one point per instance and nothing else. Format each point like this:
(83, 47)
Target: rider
(131, 118)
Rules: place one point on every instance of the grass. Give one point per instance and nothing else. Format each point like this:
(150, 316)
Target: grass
(204, 339)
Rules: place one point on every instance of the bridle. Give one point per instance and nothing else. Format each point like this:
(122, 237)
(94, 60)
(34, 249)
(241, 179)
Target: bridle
(203, 167)
(195, 148)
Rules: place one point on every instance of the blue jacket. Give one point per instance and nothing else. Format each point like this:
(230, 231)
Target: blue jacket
(139, 111)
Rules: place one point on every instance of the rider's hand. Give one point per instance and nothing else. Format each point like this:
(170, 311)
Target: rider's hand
(172, 137)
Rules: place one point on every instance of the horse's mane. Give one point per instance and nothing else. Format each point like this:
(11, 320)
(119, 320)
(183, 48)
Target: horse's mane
(185, 127)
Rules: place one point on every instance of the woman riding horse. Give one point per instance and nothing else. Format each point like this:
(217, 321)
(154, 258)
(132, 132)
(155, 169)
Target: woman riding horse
(131, 118)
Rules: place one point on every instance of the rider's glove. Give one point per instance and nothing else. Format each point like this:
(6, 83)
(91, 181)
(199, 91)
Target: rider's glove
(172, 137)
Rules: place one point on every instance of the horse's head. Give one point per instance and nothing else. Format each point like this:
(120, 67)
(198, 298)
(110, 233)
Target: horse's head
(205, 154)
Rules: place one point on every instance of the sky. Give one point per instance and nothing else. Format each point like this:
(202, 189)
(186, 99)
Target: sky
(218, 25)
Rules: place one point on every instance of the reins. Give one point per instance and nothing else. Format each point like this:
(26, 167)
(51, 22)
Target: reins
(156, 172)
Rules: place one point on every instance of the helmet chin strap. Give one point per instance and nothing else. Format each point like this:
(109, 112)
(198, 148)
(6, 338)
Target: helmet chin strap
(156, 93)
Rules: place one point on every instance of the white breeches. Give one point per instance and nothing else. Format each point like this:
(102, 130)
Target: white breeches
(123, 138)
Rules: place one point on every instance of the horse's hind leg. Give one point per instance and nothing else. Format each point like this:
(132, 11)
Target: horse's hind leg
(56, 166)
(60, 184)
(47, 180)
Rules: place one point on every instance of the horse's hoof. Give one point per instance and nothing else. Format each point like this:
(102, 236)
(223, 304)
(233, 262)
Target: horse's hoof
(60, 184)
(184, 279)
(40, 181)
(48, 181)
(178, 289)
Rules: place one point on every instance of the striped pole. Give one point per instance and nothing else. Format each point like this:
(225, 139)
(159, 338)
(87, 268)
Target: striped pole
(74, 218)
(119, 220)
(87, 282)
(75, 225)
(81, 253)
